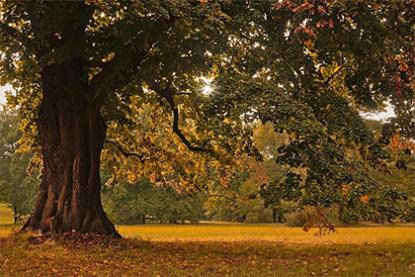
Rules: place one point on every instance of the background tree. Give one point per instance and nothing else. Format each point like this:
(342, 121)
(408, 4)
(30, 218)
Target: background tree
(144, 202)
(17, 187)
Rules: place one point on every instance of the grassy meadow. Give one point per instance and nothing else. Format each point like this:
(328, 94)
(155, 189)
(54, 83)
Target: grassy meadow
(6, 221)
(213, 250)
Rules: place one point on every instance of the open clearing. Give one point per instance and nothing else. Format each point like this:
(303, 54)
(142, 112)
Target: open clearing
(214, 250)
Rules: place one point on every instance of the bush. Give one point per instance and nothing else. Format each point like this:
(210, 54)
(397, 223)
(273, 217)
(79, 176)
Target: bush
(409, 212)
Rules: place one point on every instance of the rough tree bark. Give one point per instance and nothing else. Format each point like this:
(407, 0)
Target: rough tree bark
(72, 134)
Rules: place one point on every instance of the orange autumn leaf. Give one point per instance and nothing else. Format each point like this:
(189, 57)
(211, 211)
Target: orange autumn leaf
(364, 198)
(153, 178)
(394, 142)
(399, 143)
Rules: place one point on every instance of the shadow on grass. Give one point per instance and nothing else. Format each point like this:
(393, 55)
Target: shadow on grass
(86, 255)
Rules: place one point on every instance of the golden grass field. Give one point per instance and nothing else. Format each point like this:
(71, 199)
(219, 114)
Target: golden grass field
(6, 220)
(247, 232)
(268, 232)
(214, 250)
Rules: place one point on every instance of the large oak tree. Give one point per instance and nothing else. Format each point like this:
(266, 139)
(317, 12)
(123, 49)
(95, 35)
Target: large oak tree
(79, 55)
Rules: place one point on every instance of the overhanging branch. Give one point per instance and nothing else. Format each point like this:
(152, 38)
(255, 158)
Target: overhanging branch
(125, 152)
(179, 133)
(168, 94)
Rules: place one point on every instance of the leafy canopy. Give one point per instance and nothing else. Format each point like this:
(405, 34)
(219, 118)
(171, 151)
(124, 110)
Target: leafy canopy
(309, 67)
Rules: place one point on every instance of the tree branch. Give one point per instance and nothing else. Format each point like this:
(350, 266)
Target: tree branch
(179, 133)
(125, 152)
(168, 93)
(18, 36)
(116, 74)
(326, 82)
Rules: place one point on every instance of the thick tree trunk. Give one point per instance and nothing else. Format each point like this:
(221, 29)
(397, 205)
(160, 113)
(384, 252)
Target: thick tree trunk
(72, 134)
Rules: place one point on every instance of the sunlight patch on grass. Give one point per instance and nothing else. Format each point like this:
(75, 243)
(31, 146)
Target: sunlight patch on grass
(6, 215)
(247, 232)
(355, 235)
(6, 220)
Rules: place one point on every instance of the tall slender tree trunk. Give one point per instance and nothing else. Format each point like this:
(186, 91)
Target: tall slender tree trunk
(15, 215)
(72, 134)
(274, 215)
